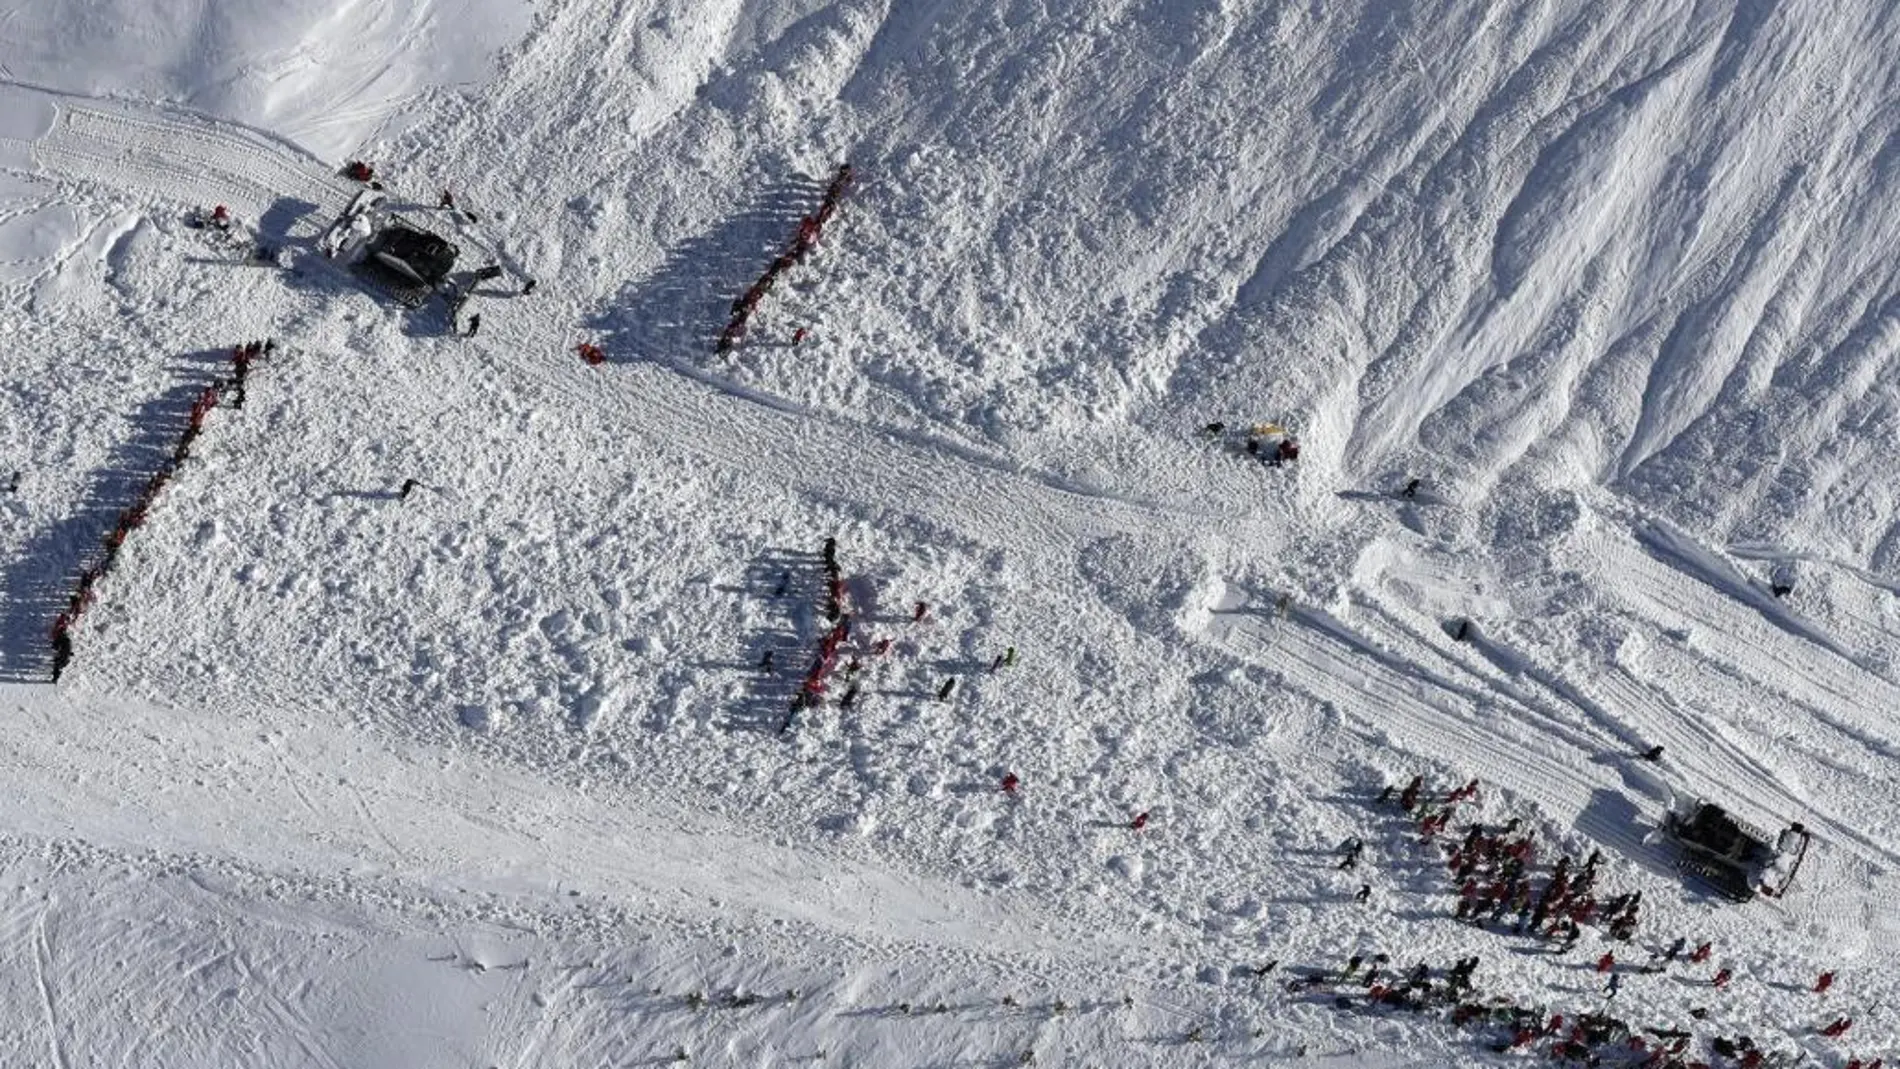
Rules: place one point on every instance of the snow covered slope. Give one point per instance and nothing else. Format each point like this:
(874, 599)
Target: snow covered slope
(487, 772)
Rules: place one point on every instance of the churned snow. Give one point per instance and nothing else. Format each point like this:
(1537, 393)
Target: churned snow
(488, 774)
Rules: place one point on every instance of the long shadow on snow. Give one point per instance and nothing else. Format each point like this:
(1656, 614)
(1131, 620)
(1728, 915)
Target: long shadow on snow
(37, 586)
(792, 583)
(676, 313)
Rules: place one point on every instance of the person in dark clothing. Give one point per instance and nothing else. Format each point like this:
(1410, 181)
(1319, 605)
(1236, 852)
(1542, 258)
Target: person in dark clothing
(831, 550)
(1409, 797)
(407, 485)
(62, 650)
(527, 287)
(943, 692)
(1351, 848)
(765, 663)
(1410, 491)
(1214, 429)
(1654, 753)
(1365, 892)
(850, 697)
(474, 324)
(13, 483)
(446, 201)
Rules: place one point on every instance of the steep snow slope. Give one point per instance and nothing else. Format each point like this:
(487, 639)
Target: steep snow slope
(1612, 278)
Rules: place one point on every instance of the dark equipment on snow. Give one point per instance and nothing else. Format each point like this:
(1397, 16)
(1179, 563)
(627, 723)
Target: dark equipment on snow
(410, 257)
(1735, 858)
(404, 260)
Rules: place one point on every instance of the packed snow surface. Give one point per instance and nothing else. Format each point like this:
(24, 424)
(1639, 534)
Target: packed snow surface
(486, 771)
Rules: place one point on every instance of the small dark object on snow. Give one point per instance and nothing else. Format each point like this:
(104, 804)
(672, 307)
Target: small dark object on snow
(943, 692)
(13, 483)
(474, 324)
(798, 337)
(1009, 656)
(487, 272)
(359, 171)
(918, 614)
(784, 582)
(62, 652)
(831, 550)
(1214, 429)
(1411, 490)
(1781, 590)
(446, 201)
(1140, 821)
(1461, 630)
(407, 485)
(765, 662)
(1262, 970)
(1654, 753)
(527, 287)
(850, 697)
(1365, 892)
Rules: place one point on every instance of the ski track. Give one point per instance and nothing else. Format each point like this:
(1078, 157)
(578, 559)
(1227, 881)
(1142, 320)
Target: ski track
(185, 161)
(42, 961)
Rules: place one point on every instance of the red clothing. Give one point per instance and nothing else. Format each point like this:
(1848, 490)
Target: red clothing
(1701, 953)
(1721, 978)
(1826, 981)
(1010, 783)
(1141, 821)
(1606, 962)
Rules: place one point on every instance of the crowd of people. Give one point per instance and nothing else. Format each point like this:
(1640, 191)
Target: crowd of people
(134, 515)
(810, 229)
(1492, 870)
